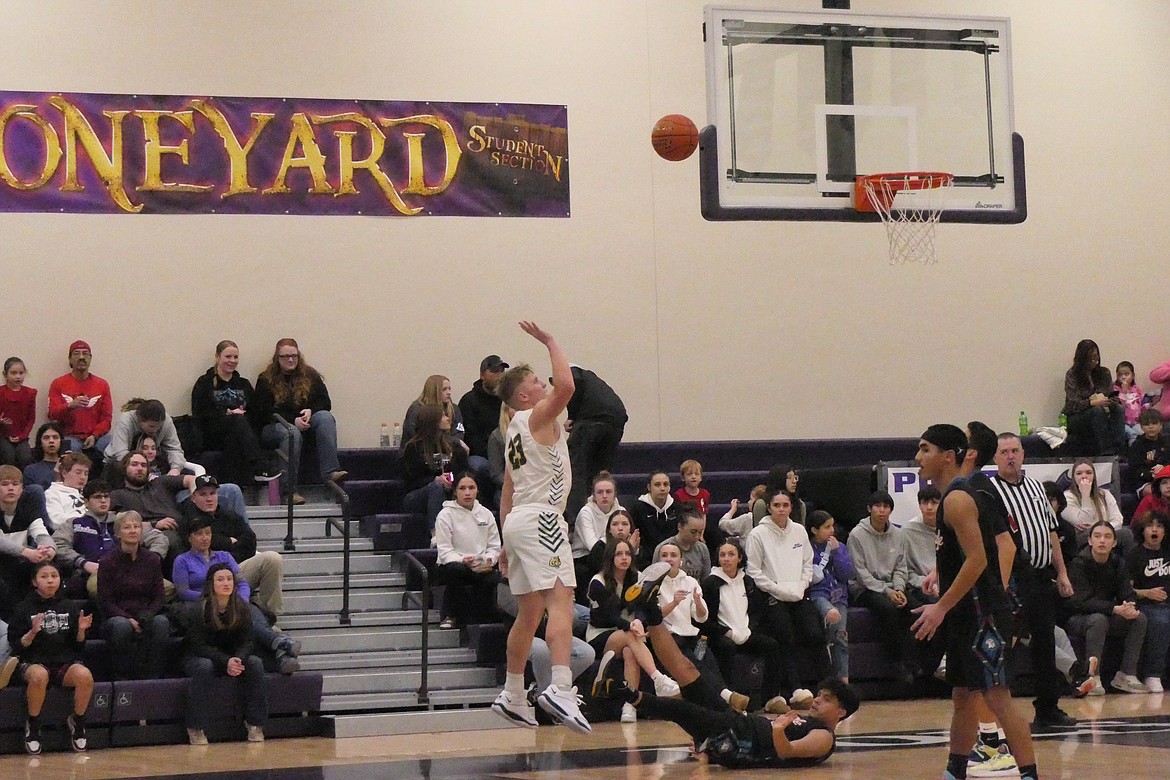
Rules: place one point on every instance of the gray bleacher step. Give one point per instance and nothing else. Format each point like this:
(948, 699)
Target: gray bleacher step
(454, 698)
(301, 622)
(385, 659)
(364, 600)
(319, 564)
(299, 512)
(437, 679)
(272, 530)
(385, 580)
(333, 544)
(424, 722)
(345, 640)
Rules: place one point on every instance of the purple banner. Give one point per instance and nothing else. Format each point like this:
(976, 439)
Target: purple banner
(149, 154)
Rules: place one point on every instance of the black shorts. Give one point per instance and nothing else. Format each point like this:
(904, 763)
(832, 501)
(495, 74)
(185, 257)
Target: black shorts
(965, 668)
(598, 642)
(57, 672)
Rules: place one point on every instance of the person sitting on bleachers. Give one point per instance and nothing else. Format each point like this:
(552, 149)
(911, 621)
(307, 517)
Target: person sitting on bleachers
(781, 477)
(1095, 416)
(731, 598)
(24, 538)
(46, 452)
(1148, 453)
(696, 558)
(495, 448)
(436, 392)
(921, 535)
(590, 527)
(737, 526)
(155, 465)
(296, 391)
(130, 598)
(1104, 603)
(63, 500)
(147, 416)
(18, 412)
(1158, 499)
(1089, 504)
(620, 525)
(878, 550)
(468, 542)
(81, 402)
(429, 461)
(264, 571)
(219, 403)
(780, 561)
(1149, 572)
(48, 633)
(220, 642)
(829, 591)
(85, 540)
(190, 576)
(655, 514)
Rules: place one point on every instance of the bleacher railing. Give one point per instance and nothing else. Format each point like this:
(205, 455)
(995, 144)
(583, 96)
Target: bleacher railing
(423, 599)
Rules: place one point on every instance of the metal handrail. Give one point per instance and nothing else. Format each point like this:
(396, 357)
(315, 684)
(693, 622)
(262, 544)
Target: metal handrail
(289, 542)
(342, 526)
(424, 601)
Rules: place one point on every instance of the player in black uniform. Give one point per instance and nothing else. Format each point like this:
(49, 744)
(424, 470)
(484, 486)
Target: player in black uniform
(973, 609)
(728, 737)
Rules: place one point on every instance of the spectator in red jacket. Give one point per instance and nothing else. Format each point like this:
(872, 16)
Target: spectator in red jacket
(81, 402)
(18, 411)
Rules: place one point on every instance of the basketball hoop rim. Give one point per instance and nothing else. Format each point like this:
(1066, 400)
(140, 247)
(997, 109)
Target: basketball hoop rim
(882, 185)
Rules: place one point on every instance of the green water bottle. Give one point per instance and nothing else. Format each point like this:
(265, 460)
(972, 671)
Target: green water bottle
(1063, 420)
(1023, 424)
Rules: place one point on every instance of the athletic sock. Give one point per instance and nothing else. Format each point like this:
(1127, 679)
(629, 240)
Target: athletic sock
(725, 694)
(514, 684)
(562, 677)
(1028, 772)
(957, 766)
(989, 733)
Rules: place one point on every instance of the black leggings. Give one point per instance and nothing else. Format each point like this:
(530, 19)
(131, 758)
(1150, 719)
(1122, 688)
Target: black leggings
(697, 721)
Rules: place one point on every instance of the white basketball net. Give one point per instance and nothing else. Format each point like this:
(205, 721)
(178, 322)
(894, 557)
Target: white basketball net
(910, 230)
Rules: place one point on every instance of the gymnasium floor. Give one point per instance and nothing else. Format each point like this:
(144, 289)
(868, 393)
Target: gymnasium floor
(1120, 736)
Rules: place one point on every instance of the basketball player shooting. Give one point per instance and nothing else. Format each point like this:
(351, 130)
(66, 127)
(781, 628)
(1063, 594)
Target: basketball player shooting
(536, 555)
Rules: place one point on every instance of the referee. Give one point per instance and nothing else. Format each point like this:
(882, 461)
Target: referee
(1034, 525)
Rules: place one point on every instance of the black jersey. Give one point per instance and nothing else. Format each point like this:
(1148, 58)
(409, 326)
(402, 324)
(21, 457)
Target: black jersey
(992, 521)
(749, 744)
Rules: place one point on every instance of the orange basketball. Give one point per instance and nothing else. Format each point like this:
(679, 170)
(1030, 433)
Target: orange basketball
(674, 137)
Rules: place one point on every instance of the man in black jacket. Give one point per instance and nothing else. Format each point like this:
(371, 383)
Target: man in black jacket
(596, 423)
(480, 406)
(264, 571)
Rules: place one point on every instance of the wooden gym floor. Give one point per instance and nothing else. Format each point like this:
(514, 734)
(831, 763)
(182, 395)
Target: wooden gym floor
(1120, 736)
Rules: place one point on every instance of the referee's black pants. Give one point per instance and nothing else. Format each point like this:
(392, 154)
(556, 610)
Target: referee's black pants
(1038, 595)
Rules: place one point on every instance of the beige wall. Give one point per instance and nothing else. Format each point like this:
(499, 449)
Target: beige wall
(709, 331)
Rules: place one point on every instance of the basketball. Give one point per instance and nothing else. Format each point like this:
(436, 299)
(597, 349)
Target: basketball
(674, 137)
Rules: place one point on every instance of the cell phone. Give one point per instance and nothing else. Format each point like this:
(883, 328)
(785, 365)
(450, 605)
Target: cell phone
(1113, 393)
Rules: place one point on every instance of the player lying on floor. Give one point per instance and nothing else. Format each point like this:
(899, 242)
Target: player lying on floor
(727, 737)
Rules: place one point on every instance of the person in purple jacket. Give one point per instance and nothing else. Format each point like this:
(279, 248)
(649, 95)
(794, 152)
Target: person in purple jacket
(829, 591)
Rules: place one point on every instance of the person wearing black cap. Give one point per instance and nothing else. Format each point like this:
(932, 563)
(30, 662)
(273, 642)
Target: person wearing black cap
(596, 423)
(480, 406)
(973, 609)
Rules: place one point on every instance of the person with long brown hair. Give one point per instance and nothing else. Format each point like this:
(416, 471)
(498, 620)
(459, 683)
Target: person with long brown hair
(220, 404)
(220, 642)
(296, 391)
(429, 463)
(436, 393)
(1095, 416)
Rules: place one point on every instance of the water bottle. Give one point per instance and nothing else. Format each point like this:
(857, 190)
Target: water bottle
(1023, 424)
(396, 437)
(1063, 420)
(701, 648)
(384, 437)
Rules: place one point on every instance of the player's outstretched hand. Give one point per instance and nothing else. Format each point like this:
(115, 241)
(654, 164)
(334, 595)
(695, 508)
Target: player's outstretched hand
(930, 617)
(534, 330)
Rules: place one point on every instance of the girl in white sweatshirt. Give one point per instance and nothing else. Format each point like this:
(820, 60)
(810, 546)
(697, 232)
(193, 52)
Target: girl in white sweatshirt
(468, 541)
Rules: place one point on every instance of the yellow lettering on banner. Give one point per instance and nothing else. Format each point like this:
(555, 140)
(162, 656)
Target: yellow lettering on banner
(155, 149)
(348, 165)
(237, 154)
(52, 147)
(313, 159)
(77, 127)
(416, 181)
(477, 143)
(554, 167)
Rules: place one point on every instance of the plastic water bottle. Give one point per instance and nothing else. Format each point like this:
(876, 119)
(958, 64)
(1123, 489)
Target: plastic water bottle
(1063, 420)
(1023, 424)
(701, 648)
(384, 437)
(396, 437)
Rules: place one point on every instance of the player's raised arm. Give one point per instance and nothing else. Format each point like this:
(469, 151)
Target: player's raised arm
(546, 411)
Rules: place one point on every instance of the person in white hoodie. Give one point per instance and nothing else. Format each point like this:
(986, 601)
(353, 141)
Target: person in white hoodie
(590, 528)
(878, 550)
(63, 500)
(730, 594)
(468, 542)
(780, 562)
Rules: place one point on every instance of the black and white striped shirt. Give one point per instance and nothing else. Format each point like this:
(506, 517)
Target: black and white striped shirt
(1030, 515)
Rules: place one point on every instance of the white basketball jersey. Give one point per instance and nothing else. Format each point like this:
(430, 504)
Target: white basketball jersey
(540, 474)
